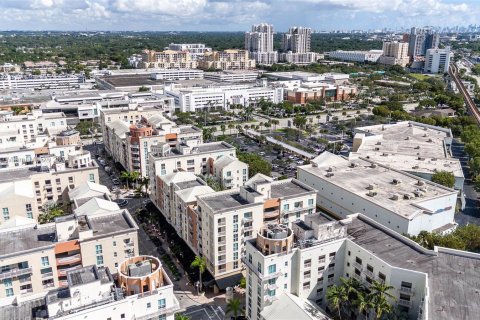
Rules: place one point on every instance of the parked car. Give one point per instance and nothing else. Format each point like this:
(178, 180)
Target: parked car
(261, 153)
(116, 182)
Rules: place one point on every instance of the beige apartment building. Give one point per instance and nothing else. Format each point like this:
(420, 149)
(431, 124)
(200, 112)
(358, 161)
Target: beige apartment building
(36, 258)
(130, 135)
(395, 52)
(168, 59)
(226, 60)
(227, 219)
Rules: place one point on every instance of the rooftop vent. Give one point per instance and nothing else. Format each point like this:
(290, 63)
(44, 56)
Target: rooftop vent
(330, 174)
(410, 125)
(407, 196)
(394, 197)
(425, 135)
(315, 165)
(434, 159)
(378, 143)
(430, 140)
(425, 128)
(396, 181)
(373, 165)
(353, 165)
(371, 193)
(385, 154)
(407, 138)
(420, 183)
(377, 149)
(370, 187)
(330, 169)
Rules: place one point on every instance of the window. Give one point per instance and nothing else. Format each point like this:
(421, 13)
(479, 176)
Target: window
(310, 202)
(381, 276)
(99, 260)
(7, 282)
(115, 254)
(321, 259)
(235, 237)
(298, 204)
(235, 227)
(369, 268)
(307, 263)
(247, 215)
(91, 177)
(57, 181)
(114, 243)
(250, 258)
(272, 268)
(9, 292)
(149, 305)
(259, 267)
(358, 260)
(286, 207)
(98, 249)
(28, 208)
(161, 304)
(45, 262)
(306, 285)
(321, 269)
(332, 255)
(6, 214)
(122, 316)
(235, 246)
(235, 218)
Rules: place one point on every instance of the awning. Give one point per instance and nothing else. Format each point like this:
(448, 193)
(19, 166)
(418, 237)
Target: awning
(229, 281)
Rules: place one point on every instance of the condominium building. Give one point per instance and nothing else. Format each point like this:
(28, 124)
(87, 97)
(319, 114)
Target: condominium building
(259, 42)
(168, 59)
(299, 58)
(142, 290)
(129, 136)
(197, 50)
(226, 219)
(303, 261)
(437, 60)
(420, 40)
(395, 53)
(35, 258)
(226, 60)
(400, 201)
(297, 40)
(413, 147)
(197, 99)
(357, 56)
(230, 172)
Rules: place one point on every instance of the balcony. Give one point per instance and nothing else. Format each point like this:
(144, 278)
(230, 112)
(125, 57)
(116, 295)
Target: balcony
(271, 214)
(25, 280)
(47, 275)
(76, 258)
(129, 244)
(222, 233)
(63, 283)
(223, 251)
(222, 241)
(222, 223)
(298, 209)
(405, 303)
(358, 266)
(307, 265)
(63, 272)
(270, 286)
(26, 291)
(369, 273)
(15, 273)
(357, 276)
(48, 285)
(247, 228)
(223, 261)
(330, 280)
(270, 298)
(406, 290)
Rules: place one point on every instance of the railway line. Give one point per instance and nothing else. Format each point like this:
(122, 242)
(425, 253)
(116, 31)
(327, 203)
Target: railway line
(471, 106)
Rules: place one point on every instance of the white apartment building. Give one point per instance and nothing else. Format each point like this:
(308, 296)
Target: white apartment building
(168, 59)
(129, 136)
(231, 172)
(94, 293)
(297, 40)
(307, 259)
(14, 82)
(197, 50)
(196, 99)
(357, 56)
(18, 130)
(226, 60)
(413, 147)
(36, 258)
(400, 201)
(298, 58)
(259, 42)
(437, 60)
(232, 76)
(395, 52)
(227, 219)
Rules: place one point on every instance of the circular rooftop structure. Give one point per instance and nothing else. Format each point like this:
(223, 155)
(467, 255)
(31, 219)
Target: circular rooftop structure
(275, 238)
(140, 274)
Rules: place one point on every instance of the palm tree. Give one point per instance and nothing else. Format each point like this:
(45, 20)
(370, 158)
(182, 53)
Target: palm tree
(364, 303)
(179, 316)
(234, 306)
(275, 122)
(223, 128)
(50, 212)
(144, 182)
(231, 125)
(380, 296)
(125, 175)
(239, 129)
(336, 296)
(134, 175)
(299, 122)
(201, 264)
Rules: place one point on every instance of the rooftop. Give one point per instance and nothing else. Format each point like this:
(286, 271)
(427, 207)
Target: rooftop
(289, 306)
(88, 275)
(394, 190)
(452, 275)
(228, 199)
(111, 223)
(131, 80)
(189, 184)
(289, 188)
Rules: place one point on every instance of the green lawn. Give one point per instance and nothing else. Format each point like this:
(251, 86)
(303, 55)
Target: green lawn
(420, 77)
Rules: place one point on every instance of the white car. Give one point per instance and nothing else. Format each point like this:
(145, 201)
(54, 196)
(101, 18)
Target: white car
(261, 153)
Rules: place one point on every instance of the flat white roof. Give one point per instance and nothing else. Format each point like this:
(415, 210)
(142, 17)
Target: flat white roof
(394, 190)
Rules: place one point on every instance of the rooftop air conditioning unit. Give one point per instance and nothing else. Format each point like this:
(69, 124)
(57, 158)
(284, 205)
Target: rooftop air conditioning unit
(330, 169)
(394, 197)
(407, 138)
(371, 193)
(417, 147)
(330, 174)
(420, 183)
(397, 181)
(378, 143)
(370, 187)
(373, 165)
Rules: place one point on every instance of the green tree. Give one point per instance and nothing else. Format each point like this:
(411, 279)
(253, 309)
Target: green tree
(143, 89)
(255, 163)
(50, 212)
(445, 178)
(201, 264)
(234, 307)
(125, 175)
(336, 297)
(299, 122)
(223, 128)
(179, 316)
(243, 283)
(364, 303)
(380, 297)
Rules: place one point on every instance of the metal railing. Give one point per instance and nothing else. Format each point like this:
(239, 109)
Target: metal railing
(47, 275)
(406, 290)
(369, 273)
(12, 273)
(358, 266)
(405, 303)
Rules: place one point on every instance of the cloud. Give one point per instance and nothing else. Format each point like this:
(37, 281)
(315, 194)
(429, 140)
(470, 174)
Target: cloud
(168, 7)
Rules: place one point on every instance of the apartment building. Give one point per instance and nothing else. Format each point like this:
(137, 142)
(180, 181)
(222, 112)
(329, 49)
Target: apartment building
(35, 258)
(177, 196)
(18, 131)
(197, 50)
(311, 256)
(232, 76)
(130, 135)
(17, 199)
(420, 40)
(227, 219)
(297, 40)
(197, 99)
(299, 58)
(395, 53)
(405, 203)
(230, 172)
(93, 292)
(357, 56)
(437, 60)
(259, 43)
(168, 59)
(413, 147)
(226, 60)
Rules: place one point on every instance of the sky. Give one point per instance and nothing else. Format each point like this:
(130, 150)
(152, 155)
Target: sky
(232, 15)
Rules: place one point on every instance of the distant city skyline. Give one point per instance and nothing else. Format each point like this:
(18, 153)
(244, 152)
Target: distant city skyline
(233, 15)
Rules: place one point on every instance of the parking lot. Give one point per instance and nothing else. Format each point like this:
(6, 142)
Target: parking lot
(205, 312)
